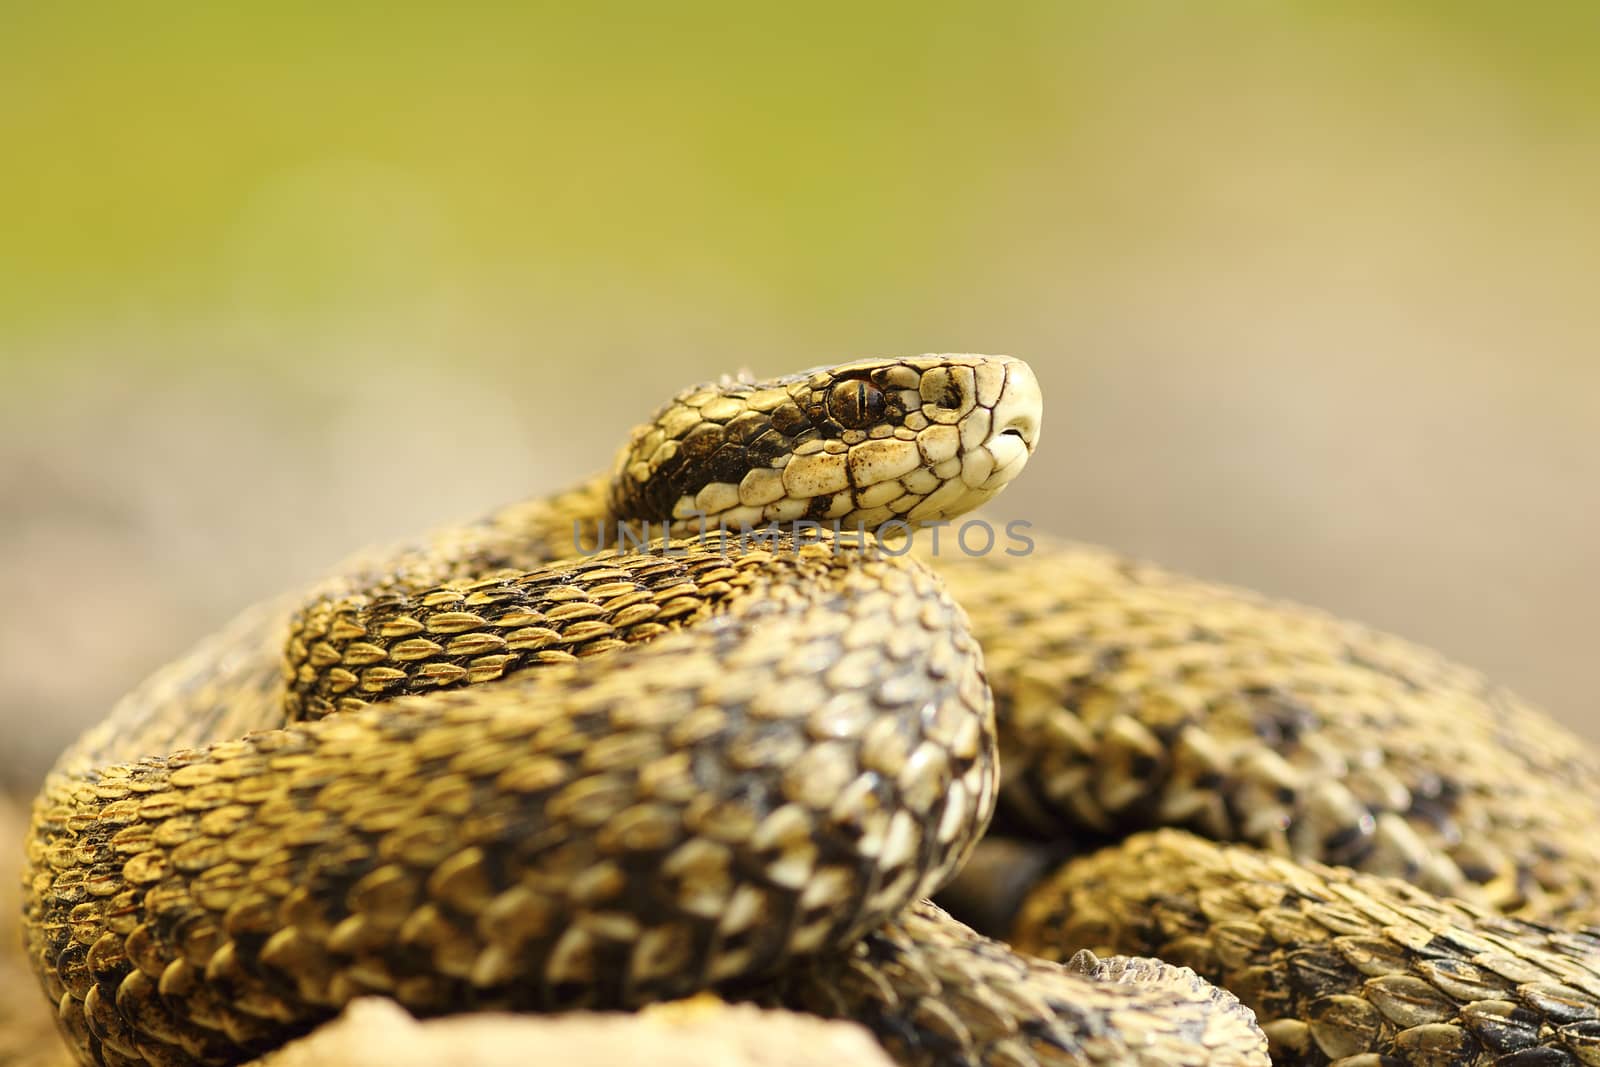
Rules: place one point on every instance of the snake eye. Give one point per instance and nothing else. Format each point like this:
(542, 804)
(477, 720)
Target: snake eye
(856, 403)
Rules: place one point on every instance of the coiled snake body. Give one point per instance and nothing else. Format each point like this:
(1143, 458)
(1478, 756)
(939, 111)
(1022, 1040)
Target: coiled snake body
(486, 772)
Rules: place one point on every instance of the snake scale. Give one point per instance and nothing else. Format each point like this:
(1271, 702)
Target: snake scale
(489, 771)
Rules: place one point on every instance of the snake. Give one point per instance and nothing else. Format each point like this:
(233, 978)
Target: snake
(499, 768)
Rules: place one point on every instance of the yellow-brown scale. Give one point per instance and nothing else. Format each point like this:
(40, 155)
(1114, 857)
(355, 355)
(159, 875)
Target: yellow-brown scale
(467, 777)
(939, 995)
(1129, 697)
(513, 782)
(1339, 966)
(769, 778)
(489, 777)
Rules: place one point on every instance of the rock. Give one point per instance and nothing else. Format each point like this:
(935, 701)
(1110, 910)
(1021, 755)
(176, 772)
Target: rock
(701, 1032)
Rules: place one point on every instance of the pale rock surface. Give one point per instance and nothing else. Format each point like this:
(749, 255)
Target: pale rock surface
(702, 1032)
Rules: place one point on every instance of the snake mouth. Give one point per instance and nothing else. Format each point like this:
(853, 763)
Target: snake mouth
(1010, 449)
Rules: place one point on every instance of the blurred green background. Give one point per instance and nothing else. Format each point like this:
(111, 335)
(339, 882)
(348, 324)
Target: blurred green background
(1310, 287)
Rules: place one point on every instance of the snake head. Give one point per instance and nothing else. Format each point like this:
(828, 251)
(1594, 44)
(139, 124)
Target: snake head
(920, 438)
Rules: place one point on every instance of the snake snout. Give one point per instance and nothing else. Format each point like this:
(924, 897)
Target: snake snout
(1018, 412)
(1011, 411)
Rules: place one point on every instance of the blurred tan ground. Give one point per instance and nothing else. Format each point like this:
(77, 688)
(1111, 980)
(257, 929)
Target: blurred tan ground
(1311, 293)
